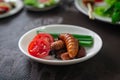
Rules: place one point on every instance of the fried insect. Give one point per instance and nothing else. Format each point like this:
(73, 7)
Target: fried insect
(81, 52)
(58, 53)
(71, 44)
(65, 56)
(57, 45)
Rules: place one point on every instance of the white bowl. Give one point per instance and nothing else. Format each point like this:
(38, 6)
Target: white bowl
(59, 28)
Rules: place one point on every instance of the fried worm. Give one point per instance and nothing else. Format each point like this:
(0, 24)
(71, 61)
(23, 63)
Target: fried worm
(71, 44)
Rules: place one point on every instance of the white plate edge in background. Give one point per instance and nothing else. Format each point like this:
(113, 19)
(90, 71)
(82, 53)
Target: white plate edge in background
(19, 5)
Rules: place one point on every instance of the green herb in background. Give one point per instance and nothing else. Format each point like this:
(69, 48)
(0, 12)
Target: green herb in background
(30, 2)
(100, 10)
(116, 12)
(110, 2)
(112, 10)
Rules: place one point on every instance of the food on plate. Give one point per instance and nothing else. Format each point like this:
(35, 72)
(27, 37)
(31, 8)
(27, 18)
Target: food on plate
(84, 40)
(58, 53)
(71, 44)
(62, 46)
(81, 52)
(6, 7)
(65, 56)
(57, 45)
(40, 3)
(40, 45)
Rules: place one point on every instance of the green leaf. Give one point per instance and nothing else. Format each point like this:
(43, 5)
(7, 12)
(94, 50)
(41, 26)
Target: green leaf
(109, 10)
(115, 17)
(99, 10)
(110, 2)
(117, 6)
(30, 2)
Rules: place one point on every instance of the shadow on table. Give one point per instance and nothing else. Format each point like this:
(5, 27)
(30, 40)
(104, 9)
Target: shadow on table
(100, 67)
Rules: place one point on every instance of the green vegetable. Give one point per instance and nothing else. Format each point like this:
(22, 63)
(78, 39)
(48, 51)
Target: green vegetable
(79, 37)
(100, 10)
(111, 10)
(116, 13)
(84, 40)
(86, 43)
(115, 17)
(38, 4)
(30, 2)
(110, 2)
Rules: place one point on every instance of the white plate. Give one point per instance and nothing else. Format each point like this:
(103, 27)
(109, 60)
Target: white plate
(82, 8)
(42, 9)
(19, 5)
(92, 51)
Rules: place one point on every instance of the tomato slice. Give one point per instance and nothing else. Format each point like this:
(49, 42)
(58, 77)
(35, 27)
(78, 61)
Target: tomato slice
(45, 36)
(40, 45)
(39, 48)
(4, 9)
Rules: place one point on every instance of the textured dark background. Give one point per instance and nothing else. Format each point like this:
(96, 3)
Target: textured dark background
(16, 66)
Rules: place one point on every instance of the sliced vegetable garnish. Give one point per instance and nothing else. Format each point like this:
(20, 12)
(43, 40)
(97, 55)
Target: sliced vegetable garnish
(40, 45)
(44, 36)
(39, 48)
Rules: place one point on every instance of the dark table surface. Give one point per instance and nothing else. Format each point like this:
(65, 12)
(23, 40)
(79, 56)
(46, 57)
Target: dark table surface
(16, 66)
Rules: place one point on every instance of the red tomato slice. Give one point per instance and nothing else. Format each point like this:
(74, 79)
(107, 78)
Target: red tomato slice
(4, 8)
(39, 48)
(40, 45)
(44, 36)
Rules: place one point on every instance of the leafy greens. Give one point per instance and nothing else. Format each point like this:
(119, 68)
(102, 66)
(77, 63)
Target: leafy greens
(111, 9)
